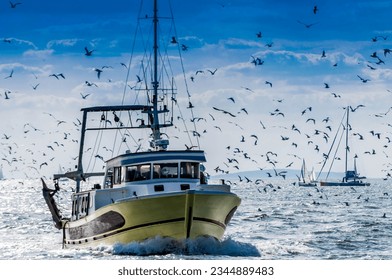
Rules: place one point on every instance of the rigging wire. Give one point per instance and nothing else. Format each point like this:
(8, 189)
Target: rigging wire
(330, 149)
(185, 80)
(336, 151)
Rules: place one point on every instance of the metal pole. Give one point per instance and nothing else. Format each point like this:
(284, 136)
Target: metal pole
(347, 147)
(80, 158)
(155, 124)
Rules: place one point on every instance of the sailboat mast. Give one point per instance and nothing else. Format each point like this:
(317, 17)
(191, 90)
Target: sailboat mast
(347, 147)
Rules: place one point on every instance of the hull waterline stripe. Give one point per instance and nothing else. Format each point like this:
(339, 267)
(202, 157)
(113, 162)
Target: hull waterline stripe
(145, 225)
(210, 221)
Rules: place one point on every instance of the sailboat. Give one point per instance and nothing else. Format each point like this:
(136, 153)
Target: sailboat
(146, 194)
(351, 177)
(306, 179)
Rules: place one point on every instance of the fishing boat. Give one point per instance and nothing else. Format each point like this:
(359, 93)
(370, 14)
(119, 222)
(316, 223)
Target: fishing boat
(156, 192)
(351, 177)
(306, 179)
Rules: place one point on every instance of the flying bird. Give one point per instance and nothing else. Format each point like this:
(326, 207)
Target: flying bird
(306, 24)
(362, 79)
(224, 111)
(10, 75)
(13, 5)
(99, 71)
(257, 61)
(84, 96)
(354, 109)
(88, 52)
(57, 76)
(212, 72)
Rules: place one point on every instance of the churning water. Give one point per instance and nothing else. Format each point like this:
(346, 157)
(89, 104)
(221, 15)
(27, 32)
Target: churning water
(276, 221)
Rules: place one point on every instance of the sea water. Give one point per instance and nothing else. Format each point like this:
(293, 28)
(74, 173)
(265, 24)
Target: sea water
(277, 220)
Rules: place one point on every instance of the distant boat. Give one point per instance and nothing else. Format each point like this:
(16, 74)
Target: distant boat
(351, 177)
(307, 179)
(142, 194)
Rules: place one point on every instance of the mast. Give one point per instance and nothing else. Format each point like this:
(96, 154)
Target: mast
(157, 142)
(303, 170)
(79, 170)
(155, 82)
(347, 147)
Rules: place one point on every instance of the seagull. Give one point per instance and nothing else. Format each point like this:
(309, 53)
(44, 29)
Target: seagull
(335, 95)
(362, 79)
(199, 72)
(354, 109)
(57, 76)
(224, 111)
(257, 61)
(6, 94)
(268, 83)
(307, 25)
(248, 89)
(90, 84)
(60, 122)
(212, 72)
(84, 96)
(306, 109)
(243, 109)
(13, 5)
(88, 52)
(232, 99)
(99, 71)
(10, 75)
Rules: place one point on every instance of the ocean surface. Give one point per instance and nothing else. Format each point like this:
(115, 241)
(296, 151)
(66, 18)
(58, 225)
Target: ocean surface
(276, 221)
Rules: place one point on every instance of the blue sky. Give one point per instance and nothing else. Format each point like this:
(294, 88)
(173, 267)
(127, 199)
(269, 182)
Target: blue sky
(48, 37)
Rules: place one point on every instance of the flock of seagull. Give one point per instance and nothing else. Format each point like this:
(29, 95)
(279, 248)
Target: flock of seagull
(313, 135)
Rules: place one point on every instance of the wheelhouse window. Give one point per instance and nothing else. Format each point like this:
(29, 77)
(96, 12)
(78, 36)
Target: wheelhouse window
(165, 170)
(137, 172)
(117, 175)
(109, 178)
(190, 170)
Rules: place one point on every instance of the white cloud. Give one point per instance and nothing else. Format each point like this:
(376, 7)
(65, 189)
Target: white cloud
(22, 42)
(63, 42)
(40, 54)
